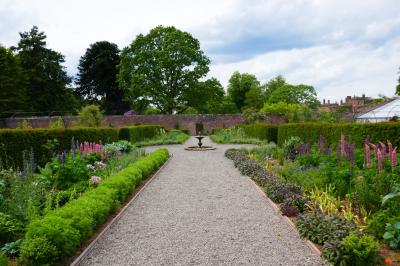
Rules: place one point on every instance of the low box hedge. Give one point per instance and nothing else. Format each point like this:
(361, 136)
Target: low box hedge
(58, 234)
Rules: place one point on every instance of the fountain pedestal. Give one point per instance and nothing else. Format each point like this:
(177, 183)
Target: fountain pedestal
(199, 146)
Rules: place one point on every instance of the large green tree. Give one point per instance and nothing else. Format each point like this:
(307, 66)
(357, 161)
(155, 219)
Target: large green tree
(295, 94)
(97, 77)
(160, 67)
(255, 98)
(239, 84)
(12, 83)
(206, 96)
(273, 85)
(47, 79)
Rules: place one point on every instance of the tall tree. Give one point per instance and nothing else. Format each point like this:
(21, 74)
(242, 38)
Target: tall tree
(255, 98)
(159, 67)
(295, 94)
(273, 85)
(205, 96)
(47, 79)
(12, 83)
(97, 77)
(239, 84)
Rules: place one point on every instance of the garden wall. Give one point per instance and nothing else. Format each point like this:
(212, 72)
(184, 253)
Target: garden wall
(168, 121)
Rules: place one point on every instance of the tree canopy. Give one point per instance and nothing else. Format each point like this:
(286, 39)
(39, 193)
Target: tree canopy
(12, 83)
(205, 96)
(161, 67)
(239, 84)
(295, 94)
(97, 77)
(47, 79)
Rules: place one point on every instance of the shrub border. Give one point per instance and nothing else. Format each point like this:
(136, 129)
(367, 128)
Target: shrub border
(89, 248)
(310, 244)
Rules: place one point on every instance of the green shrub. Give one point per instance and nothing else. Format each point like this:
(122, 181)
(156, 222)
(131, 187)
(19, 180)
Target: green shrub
(361, 250)
(392, 234)
(59, 232)
(63, 175)
(268, 132)
(310, 132)
(59, 123)
(38, 251)
(9, 228)
(322, 228)
(3, 260)
(290, 147)
(140, 132)
(90, 116)
(14, 141)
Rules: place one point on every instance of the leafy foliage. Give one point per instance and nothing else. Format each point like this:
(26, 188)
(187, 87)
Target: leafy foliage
(161, 67)
(97, 77)
(295, 94)
(392, 235)
(44, 142)
(171, 137)
(13, 83)
(46, 77)
(361, 250)
(239, 85)
(290, 147)
(62, 230)
(90, 116)
(322, 228)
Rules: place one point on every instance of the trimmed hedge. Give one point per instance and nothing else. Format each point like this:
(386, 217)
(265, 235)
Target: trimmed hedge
(262, 131)
(357, 133)
(60, 232)
(139, 133)
(14, 141)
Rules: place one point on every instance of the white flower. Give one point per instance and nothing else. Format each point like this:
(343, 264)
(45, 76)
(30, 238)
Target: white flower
(90, 167)
(99, 165)
(95, 180)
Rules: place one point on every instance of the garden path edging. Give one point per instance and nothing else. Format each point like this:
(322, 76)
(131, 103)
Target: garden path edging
(310, 244)
(87, 250)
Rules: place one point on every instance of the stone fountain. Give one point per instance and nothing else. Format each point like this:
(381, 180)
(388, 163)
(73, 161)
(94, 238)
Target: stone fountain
(199, 146)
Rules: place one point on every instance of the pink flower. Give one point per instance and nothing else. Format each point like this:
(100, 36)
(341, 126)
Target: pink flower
(383, 149)
(367, 155)
(390, 147)
(375, 150)
(393, 157)
(380, 161)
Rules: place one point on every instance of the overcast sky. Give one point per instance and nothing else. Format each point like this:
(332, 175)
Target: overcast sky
(341, 47)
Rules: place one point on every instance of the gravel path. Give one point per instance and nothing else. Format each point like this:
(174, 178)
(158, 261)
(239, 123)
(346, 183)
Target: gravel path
(199, 210)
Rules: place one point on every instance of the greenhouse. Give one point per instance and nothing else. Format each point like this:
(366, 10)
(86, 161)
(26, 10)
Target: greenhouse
(387, 112)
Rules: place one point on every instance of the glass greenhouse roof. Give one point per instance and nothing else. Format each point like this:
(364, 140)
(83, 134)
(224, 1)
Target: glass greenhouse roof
(382, 113)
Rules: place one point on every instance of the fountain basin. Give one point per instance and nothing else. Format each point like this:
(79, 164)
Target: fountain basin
(197, 148)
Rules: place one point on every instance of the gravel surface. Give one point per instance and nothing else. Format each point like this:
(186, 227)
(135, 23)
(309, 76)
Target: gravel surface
(200, 210)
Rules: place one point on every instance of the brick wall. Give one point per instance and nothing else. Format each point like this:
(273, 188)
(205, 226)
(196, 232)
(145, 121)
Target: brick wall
(168, 121)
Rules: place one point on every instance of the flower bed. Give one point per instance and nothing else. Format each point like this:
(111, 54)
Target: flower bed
(343, 198)
(61, 231)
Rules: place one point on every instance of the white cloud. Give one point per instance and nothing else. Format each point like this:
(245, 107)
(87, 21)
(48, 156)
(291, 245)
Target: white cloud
(342, 47)
(334, 70)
